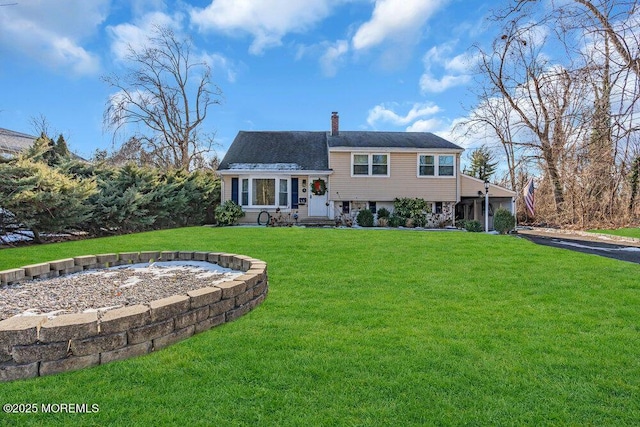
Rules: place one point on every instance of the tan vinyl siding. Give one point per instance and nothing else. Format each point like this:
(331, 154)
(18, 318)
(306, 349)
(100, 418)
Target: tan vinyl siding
(470, 187)
(226, 188)
(402, 181)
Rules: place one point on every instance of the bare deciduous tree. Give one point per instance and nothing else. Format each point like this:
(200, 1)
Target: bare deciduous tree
(164, 95)
(573, 115)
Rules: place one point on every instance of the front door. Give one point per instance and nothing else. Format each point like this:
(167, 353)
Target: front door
(318, 202)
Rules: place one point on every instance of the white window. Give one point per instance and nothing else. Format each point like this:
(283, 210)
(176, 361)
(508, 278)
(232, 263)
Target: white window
(361, 164)
(283, 193)
(370, 164)
(264, 192)
(379, 164)
(434, 166)
(445, 165)
(426, 166)
(245, 192)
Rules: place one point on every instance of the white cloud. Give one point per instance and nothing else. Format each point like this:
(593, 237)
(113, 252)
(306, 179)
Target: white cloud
(268, 21)
(429, 83)
(52, 32)
(395, 19)
(220, 65)
(333, 56)
(136, 35)
(430, 125)
(456, 69)
(414, 118)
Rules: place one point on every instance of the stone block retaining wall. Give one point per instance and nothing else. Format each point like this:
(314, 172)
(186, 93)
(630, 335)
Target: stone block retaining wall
(32, 346)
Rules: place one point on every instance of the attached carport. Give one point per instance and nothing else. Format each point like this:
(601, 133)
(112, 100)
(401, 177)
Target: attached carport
(472, 200)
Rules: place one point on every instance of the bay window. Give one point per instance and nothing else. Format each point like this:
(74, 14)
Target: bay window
(259, 192)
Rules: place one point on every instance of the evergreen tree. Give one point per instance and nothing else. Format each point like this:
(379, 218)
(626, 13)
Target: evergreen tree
(124, 202)
(46, 150)
(43, 199)
(482, 163)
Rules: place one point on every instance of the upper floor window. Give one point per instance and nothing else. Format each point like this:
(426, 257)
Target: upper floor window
(430, 165)
(445, 165)
(427, 166)
(379, 164)
(370, 164)
(361, 164)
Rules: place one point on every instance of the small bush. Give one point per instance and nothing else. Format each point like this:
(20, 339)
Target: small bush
(365, 218)
(228, 213)
(383, 222)
(415, 209)
(473, 226)
(503, 221)
(396, 221)
(383, 213)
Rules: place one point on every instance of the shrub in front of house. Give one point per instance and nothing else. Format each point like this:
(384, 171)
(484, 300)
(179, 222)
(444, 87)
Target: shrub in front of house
(473, 226)
(383, 213)
(228, 213)
(415, 209)
(503, 221)
(396, 221)
(383, 222)
(365, 218)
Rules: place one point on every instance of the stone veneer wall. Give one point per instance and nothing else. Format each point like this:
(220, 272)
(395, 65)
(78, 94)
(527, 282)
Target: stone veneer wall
(33, 346)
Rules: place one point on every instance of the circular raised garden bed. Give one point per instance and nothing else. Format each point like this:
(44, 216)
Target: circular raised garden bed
(44, 344)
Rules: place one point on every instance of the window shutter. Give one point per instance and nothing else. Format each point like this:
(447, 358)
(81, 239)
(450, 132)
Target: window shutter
(294, 193)
(234, 190)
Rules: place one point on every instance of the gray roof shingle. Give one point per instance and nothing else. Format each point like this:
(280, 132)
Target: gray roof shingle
(363, 139)
(295, 150)
(310, 150)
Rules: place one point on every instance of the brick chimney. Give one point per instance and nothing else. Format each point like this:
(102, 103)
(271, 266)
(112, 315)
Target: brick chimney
(335, 124)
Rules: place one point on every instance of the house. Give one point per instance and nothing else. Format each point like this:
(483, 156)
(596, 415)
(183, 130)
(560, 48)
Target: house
(324, 175)
(13, 143)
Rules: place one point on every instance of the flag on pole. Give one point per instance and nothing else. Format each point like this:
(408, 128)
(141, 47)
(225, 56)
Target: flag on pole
(529, 198)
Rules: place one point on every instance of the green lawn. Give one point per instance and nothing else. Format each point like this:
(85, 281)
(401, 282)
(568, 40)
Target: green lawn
(376, 327)
(626, 232)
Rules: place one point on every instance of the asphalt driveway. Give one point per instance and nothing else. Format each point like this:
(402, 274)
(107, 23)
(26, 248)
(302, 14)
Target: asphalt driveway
(620, 250)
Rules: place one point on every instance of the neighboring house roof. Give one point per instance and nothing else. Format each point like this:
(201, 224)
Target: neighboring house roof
(12, 142)
(414, 140)
(277, 151)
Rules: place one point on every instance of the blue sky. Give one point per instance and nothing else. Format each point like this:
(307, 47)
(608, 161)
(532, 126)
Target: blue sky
(393, 65)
